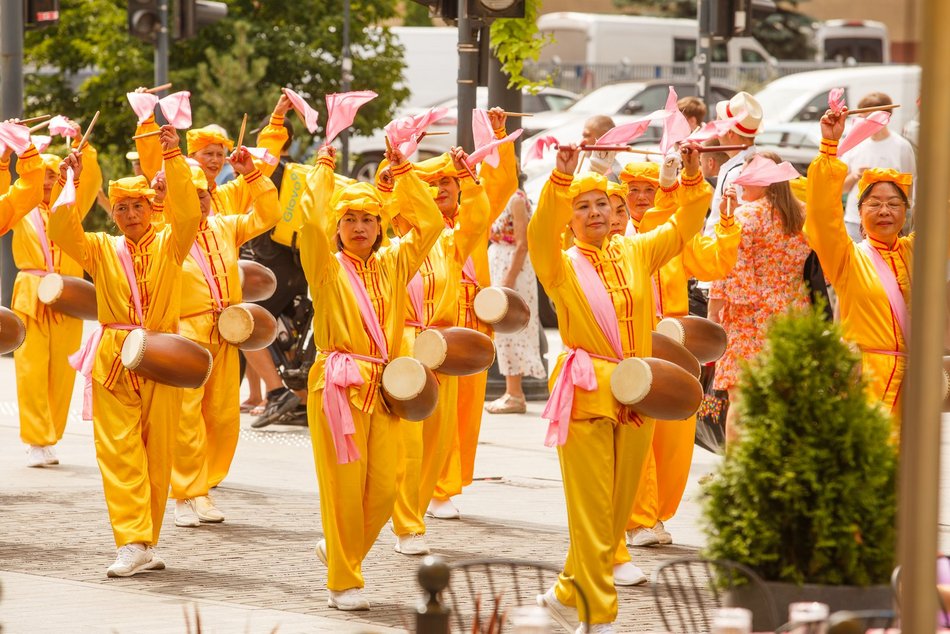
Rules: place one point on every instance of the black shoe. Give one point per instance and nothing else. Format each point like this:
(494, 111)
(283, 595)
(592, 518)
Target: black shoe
(298, 417)
(276, 407)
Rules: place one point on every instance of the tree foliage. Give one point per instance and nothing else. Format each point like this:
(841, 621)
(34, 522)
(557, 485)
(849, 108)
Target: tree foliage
(808, 493)
(514, 41)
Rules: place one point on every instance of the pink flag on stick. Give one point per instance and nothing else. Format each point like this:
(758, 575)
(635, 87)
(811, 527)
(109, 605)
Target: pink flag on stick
(864, 129)
(41, 142)
(60, 125)
(763, 172)
(627, 132)
(177, 109)
(143, 104)
(836, 99)
(341, 111)
(536, 151)
(262, 154)
(15, 137)
(484, 136)
(404, 132)
(715, 128)
(308, 114)
(487, 152)
(68, 195)
(675, 126)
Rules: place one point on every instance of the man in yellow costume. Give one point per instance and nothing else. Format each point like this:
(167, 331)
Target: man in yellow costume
(211, 418)
(138, 285)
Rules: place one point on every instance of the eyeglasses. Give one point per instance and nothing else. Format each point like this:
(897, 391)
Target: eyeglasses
(895, 204)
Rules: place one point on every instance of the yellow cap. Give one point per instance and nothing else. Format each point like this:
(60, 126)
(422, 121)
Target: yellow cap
(203, 137)
(51, 162)
(357, 197)
(646, 171)
(587, 182)
(435, 168)
(616, 189)
(129, 187)
(889, 175)
(198, 177)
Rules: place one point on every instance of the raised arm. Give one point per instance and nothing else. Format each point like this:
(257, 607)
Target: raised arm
(475, 211)
(65, 227)
(426, 224)
(27, 191)
(5, 177)
(91, 182)
(711, 258)
(182, 209)
(316, 254)
(265, 211)
(824, 218)
(500, 182)
(549, 220)
(149, 148)
(274, 135)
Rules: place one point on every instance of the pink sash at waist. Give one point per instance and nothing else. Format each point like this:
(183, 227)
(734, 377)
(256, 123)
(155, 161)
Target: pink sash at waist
(83, 359)
(576, 372)
(340, 374)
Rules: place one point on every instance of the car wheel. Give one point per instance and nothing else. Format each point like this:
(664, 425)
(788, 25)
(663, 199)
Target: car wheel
(366, 166)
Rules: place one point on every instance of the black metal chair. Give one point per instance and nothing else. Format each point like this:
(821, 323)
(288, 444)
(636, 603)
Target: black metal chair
(688, 591)
(480, 588)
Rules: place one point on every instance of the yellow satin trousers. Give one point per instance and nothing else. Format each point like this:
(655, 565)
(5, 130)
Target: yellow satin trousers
(459, 467)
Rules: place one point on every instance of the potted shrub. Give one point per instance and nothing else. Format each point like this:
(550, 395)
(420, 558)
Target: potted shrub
(807, 497)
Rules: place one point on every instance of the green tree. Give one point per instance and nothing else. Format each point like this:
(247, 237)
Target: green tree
(514, 41)
(415, 14)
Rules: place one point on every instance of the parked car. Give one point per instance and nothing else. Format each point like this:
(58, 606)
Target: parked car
(627, 98)
(368, 151)
(795, 142)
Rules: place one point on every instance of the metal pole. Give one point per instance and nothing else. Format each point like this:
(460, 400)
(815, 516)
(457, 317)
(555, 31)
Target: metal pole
(161, 45)
(467, 77)
(918, 498)
(704, 53)
(11, 105)
(347, 65)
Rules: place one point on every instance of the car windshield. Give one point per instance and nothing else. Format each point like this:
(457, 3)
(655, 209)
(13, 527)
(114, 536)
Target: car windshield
(774, 101)
(607, 99)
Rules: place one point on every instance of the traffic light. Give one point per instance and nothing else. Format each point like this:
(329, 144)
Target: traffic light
(731, 18)
(191, 15)
(143, 20)
(496, 8)
(40, 13)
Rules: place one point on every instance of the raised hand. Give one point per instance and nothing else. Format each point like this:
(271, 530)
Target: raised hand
(240, 160)
(832, 124)
(728, 202)
(394, 156)
(160, 186)
(458, 158)
(689, 153)
(497, 116)
(283, 105)
(169, 138)
(73, 160)
(567, 157)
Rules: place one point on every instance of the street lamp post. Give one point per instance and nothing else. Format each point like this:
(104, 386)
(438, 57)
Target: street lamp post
(347, 78)
(11, 106)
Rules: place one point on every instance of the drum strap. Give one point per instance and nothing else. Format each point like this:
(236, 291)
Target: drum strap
(893, 290)
(125, 260)
(340, 374)
(36, 217)
(416, 290)
(199, 257)
(367, 312)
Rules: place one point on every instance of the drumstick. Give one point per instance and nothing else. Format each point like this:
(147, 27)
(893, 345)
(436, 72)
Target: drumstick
(159, 88)
(85, 137)
(39, 126)
(617, 148)
(873, 109)
(518, 114)
(147, 134)
(389, 146)
(728, 207)
(470, 172)
(702, 149)
(427, 133)
(241, 135)
(42, 117)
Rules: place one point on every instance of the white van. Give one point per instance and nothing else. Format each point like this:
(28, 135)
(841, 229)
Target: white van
(595, 38)
(864, 41)
(804, 96)
(432, 60)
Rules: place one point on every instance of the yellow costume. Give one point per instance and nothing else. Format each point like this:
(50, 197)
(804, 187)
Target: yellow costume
(603, 456)
(135, 419)
(44, 377)
(234, 197)
(500, 185)
(707, 259)
(866, 316)
(211, 418)
(425, 445)
(356, 498)
(27, 192)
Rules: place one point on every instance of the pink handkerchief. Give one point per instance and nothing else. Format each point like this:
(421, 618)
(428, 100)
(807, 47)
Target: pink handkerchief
(863, 129)
(143, 104)
(627, 132)
(308, 114)
(404, 132)
(675, 127)
(763, 172)
(14, 136)
(177, 109)
(341, 111)
(68, 195)
(60, 125)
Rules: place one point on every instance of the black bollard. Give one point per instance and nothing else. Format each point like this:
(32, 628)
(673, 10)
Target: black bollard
(432, 617)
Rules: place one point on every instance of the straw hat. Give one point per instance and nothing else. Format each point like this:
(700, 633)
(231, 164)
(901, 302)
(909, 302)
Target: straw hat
(748, 126)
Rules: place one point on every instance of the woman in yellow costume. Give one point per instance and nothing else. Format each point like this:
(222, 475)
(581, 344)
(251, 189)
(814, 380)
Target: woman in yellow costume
(138, 284)
(355, 441)
(26, 193)
(872, 279)
(44, 377)
(602, 292)
(666, 470)
(433, 301)
(500, 184)
(211, 417)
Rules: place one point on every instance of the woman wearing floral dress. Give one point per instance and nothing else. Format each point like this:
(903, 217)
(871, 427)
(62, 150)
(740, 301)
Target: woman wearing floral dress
(766, 280)
(518, 354)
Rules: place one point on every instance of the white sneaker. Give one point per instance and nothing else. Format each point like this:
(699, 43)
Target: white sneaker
(322, 552)
(207, 511)
(130, 559)
(412, 544)
(49, 456)
(642, 537)
(564, 615)
(35, 456)
(627, 574)
(156, 562)
(599, 628)
(662, 534)
(185, 515)
(348, 600)
(442, 510)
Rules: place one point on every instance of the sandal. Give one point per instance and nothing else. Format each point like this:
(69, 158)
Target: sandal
(247, 406)
(258, 409)
(507, 404)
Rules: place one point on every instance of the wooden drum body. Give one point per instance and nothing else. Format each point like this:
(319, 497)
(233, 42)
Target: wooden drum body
(668, 350)
(257, 281)
(410, 389)
(454, 351)
(705, 339)
(502, 308)
(656, 388)
(12, 331)
(247, 326)
(166, 358)
(69, 295)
